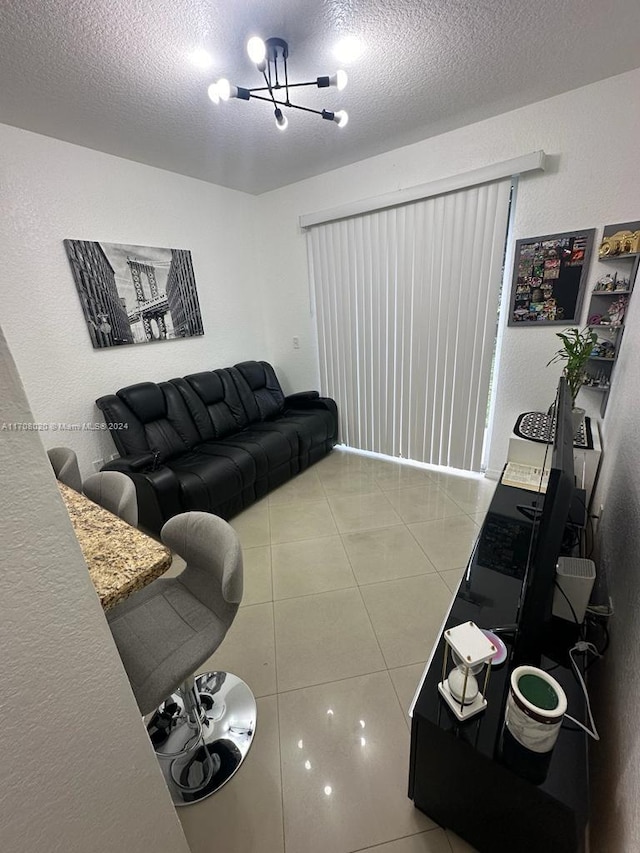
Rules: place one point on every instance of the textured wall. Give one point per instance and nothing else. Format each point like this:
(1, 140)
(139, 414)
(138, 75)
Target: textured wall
(53, 190)
(77, 766)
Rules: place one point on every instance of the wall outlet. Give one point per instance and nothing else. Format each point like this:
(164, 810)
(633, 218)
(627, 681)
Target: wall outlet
(296, 342)
(97, 464)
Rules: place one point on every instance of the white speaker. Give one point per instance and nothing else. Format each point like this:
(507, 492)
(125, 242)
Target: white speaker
(575, 577)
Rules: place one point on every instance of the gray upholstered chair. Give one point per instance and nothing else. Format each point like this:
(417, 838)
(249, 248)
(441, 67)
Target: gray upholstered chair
(201, 727)
(114, 491)
(65, 466)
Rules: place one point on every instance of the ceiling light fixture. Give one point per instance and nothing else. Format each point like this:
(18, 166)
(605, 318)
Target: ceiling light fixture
(270, 59)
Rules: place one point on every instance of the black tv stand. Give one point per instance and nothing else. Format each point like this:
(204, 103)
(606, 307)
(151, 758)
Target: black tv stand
(458, 775)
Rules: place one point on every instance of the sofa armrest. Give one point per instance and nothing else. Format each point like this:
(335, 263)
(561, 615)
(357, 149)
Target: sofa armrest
(293, 399)
(132, 464)
(302, 404)
(157, 490)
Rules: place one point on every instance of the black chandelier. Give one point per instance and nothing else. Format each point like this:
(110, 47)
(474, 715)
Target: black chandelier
(270, 58)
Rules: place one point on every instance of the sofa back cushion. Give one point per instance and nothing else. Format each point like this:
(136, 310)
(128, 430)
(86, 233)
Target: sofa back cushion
(213, 402)
(158, 418)
(259, 390)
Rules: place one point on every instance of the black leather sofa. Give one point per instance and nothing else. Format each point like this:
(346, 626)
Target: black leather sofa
(214, 441)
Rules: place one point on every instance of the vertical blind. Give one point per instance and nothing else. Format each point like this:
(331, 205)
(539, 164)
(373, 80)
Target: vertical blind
(406, 303)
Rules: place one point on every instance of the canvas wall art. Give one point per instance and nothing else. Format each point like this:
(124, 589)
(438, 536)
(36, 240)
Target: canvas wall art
(135, 294)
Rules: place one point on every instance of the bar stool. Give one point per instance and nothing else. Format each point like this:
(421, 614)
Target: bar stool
(201, 726)
(65, 466)
(114, 491)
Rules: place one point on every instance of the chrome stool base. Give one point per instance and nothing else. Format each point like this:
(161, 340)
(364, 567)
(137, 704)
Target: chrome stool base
(202, 734)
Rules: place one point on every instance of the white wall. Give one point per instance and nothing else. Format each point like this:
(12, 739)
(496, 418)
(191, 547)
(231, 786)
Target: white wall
(592, 179)
(53, 190)
(78, 769)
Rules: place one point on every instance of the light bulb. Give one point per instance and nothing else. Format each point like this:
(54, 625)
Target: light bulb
(349, 49)
(213, 93)
(341, 118)
(256, 49)
(201, 58)
(282, 122)
(224, 89)
(339, 80)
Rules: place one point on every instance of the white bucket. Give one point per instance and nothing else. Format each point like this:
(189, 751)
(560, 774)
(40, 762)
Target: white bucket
(535, 708)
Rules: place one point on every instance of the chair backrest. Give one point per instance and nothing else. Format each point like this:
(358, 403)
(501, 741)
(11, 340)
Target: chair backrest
(65, 465)
(208, 545)
(113, 491)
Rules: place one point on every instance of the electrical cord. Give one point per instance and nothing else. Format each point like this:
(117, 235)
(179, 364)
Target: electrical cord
(566, 598)
(591, 621)
(583, 647)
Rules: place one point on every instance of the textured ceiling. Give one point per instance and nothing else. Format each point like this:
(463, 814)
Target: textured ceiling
(114, 75)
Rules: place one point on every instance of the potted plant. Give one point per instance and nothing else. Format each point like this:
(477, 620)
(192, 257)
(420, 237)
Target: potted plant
(576, 348)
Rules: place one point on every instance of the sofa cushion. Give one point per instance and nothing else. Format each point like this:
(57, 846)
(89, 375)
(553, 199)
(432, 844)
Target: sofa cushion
(145, 400)
(268, 399)
(214, 404)
(156, 423)
(206, 482)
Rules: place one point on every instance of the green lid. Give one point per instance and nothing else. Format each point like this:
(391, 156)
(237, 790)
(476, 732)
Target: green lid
(538, 691)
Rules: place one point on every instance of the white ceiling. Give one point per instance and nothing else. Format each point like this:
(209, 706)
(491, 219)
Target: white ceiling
(114, 75)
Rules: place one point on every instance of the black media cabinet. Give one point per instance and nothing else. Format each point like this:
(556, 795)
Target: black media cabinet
(457, 775)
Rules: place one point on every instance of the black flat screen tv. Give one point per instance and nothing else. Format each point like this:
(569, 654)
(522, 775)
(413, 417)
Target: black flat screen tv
(536, 603)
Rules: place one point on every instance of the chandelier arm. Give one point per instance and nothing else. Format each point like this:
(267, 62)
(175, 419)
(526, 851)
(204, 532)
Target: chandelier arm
(290, 86)
(284, 104)
(286, 77)
(267, 71)
(269, 89)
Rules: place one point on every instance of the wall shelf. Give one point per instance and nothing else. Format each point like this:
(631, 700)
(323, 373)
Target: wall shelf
(602, 303)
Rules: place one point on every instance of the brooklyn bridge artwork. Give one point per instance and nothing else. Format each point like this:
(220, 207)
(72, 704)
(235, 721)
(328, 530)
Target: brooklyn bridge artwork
(134, 294)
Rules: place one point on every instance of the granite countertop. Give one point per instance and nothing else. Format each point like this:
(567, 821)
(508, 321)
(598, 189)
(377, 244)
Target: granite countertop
(120, 558)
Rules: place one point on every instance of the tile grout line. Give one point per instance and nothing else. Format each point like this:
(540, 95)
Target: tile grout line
(374, 847)
(277, 693)
(284, 838)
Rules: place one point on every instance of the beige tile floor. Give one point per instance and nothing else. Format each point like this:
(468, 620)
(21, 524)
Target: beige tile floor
(349, 569)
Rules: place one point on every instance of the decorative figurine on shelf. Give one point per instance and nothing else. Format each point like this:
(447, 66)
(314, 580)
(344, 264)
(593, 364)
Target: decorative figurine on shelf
(606, 284)
(603, 349)
(622, 284)
(470, 651)
(617, 310)
(620, 243)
